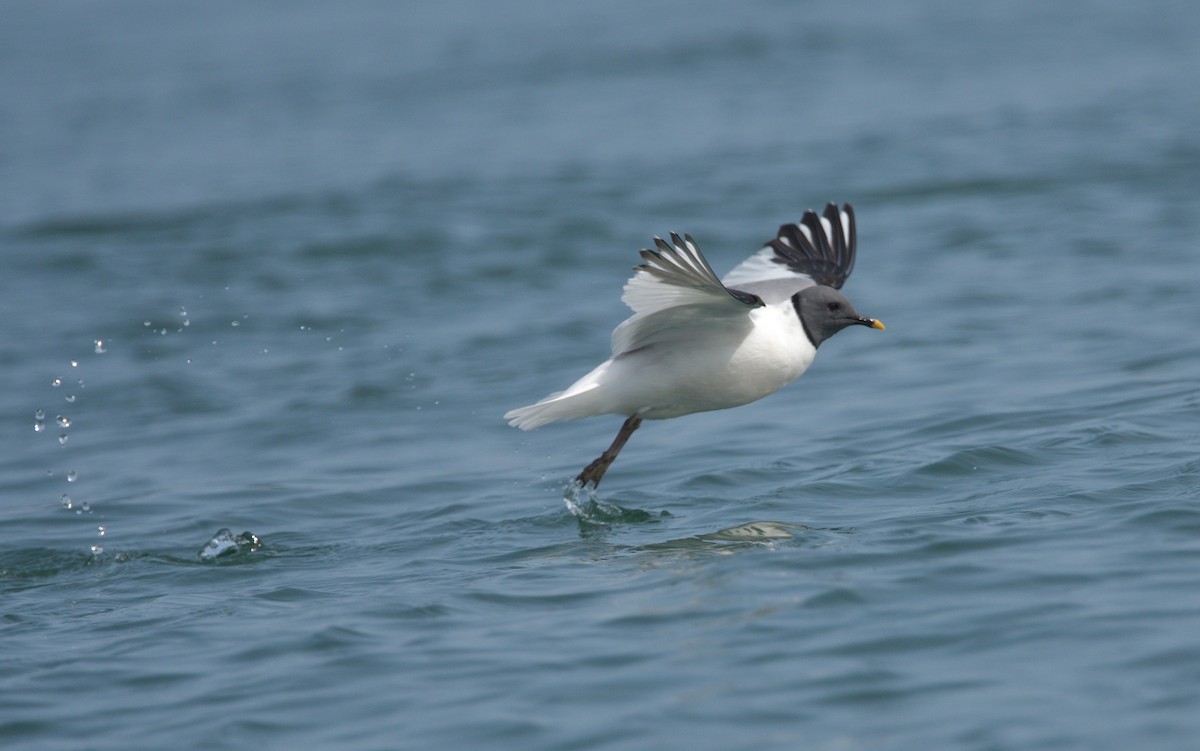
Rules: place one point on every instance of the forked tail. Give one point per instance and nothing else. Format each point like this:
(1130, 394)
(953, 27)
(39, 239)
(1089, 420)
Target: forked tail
(583, 399)
(561, 406)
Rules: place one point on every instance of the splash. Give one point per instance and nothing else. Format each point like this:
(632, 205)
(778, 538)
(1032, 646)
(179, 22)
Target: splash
(593, 512)
(225, 544)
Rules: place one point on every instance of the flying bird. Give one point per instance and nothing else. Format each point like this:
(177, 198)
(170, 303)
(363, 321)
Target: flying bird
(696, 343)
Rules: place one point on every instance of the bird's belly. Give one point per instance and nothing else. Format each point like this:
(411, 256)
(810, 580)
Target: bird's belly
(679, 380)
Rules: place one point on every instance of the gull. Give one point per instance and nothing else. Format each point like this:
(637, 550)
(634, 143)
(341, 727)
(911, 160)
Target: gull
(697, 343)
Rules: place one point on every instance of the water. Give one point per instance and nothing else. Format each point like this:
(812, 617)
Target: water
(274, 271)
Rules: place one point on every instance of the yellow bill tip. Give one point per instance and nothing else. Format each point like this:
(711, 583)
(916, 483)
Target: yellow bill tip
(878, 324)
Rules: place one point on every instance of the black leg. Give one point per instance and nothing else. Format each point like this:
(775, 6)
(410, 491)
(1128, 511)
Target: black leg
(595, 471)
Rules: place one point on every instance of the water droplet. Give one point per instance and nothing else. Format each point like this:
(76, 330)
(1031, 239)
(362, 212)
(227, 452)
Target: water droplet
(72, 476)
(146, 324)
(183, 311)
(187, 322)
(38, 426)
(79, 383)
(85, 506)
(40, 414)
(62, 439)
(74, 363)
(66, 501)
(97, 550)
(63, 421)
(56, 382)
(101, 530)
(235, 324)
(100, 348)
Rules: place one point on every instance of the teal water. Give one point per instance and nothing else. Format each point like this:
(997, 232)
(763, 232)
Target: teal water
(324, 248)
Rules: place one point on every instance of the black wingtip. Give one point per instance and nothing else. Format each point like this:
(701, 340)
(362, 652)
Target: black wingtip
(829, 257)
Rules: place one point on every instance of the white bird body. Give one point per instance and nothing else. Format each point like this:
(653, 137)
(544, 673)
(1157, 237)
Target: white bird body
(701, 367)
(694, 344)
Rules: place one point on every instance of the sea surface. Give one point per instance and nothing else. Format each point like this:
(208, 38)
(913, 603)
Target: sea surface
(278, 269)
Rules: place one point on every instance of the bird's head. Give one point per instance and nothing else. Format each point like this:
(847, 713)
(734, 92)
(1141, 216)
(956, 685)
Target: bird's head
(824, 311)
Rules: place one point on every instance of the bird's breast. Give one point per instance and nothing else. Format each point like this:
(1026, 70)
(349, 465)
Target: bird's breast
(775, 353)
(723, 371)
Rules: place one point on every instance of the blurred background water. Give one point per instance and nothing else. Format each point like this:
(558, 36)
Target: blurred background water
(281, 267)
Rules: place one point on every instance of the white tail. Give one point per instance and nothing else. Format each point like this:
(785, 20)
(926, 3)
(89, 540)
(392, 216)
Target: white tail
(582, 399)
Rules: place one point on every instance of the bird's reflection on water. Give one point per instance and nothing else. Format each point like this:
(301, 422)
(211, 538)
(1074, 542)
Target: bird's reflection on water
(598, 517)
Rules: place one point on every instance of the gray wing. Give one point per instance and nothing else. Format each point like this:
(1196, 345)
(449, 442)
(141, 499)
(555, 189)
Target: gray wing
(818, 250)
(678, 274)
(676, 287)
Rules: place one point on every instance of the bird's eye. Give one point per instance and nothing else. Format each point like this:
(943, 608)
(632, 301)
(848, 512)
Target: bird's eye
(833, 306)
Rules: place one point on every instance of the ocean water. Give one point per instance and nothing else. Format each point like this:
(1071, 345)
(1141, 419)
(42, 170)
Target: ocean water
(280, 268)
